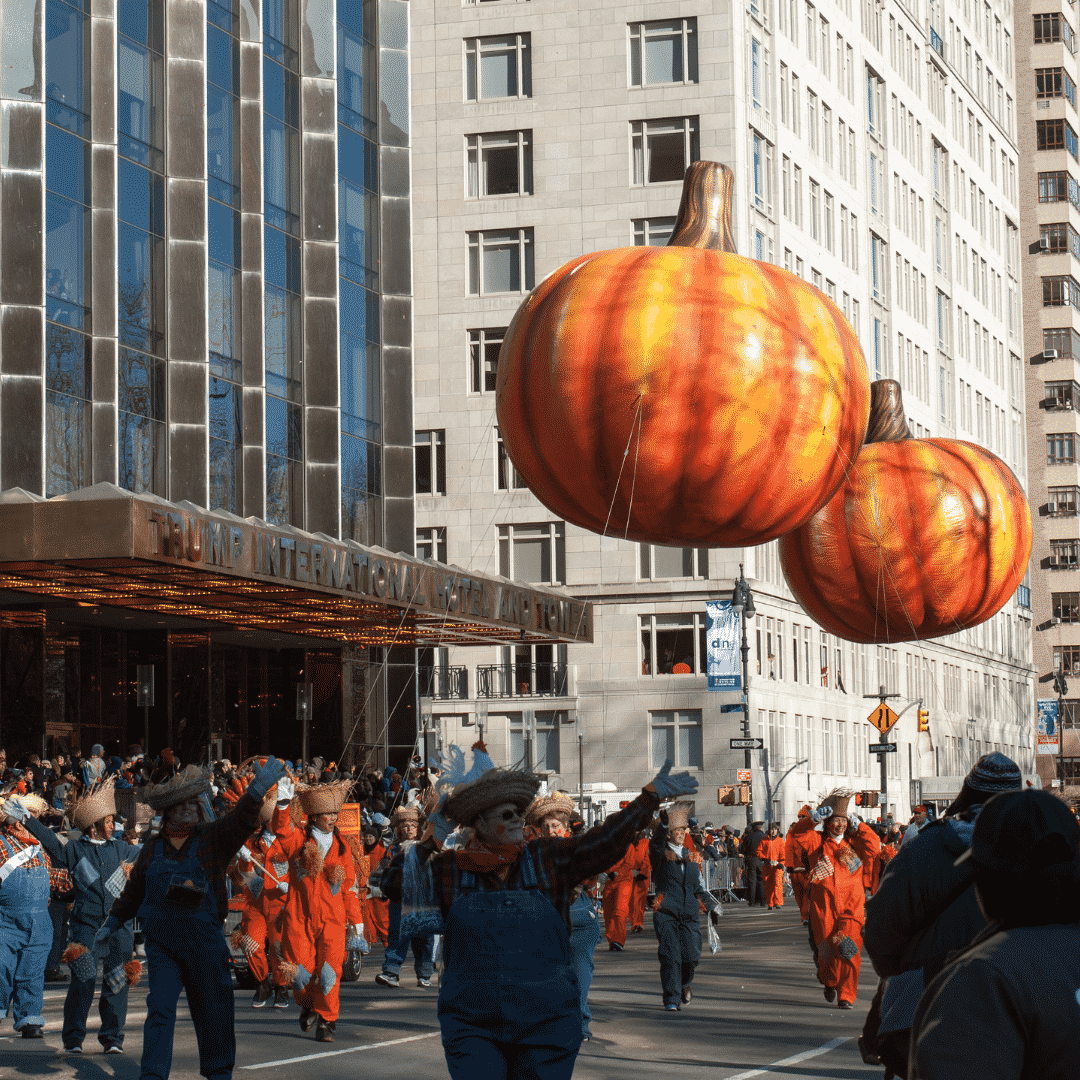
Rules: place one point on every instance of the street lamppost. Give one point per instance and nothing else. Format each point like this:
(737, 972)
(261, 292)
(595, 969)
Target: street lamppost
(1061, 687)
(742, 602)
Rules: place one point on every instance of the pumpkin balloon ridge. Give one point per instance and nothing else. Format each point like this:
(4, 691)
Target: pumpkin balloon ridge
(681, 396)
(924, 538)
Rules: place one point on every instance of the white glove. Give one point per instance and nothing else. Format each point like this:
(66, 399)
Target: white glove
(286, 789)
(854, 819)
(15, 810)
(821, 813)
(669, 786)
(244, 853)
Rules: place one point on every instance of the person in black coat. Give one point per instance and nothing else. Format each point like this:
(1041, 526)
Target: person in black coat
(680, 892)
(755, 884)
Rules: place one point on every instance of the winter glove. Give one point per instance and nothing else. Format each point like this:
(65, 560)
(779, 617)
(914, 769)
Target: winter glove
(244, 853)
(854, 820)
(15, 810)
(820, 814)
(668, 786)
(265, 778)
(286, 789)
(101, 938)
(847, 948)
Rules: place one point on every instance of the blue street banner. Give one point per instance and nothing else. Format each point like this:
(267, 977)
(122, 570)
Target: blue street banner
(722, 645)
(1046, 736)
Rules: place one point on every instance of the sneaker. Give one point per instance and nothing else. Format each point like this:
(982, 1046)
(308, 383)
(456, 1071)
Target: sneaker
(614, 946)
(281, 997)
(671, 1008)
(423, 982)
(845, 1005)
(637, 929)
(263, 994)
(830, 993)
(72, 1049)
(387, 978)
(114, 1048)
(687, 995)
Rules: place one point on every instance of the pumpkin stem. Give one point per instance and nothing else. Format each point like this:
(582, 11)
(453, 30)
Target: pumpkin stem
(704, 219)
(887, 422)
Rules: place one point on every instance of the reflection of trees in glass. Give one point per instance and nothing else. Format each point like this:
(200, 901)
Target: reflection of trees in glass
(67, 419)
(225, 440)
(141, 290)
(141, 434)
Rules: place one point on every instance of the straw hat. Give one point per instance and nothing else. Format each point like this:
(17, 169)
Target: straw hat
(496, 786)
(838, 799)
(323, 798)
(188, 783)
(99, 802)
(404, 815)
(556, 805)
(678, 815)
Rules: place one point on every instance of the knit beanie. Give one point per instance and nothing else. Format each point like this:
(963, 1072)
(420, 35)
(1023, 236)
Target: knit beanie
(990, 775)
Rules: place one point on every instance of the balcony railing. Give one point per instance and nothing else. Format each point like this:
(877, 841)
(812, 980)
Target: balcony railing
(936, 43)
(444, 682)
(521, 680)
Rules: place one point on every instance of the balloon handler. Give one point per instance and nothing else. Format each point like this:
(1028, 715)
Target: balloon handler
(837, 905)
(99, 865)
(177, 889)
(509, 1003)
(680, 897)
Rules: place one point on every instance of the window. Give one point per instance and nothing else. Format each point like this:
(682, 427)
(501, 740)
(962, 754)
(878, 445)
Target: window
(497, 67)
(1066, 606)
(661, 150)
(653, 232)
(878, 262)
(663, 52)
(534, 741)
(1063, 553)
(827, 745)
(841, 748)
(676, 737)
(507, 477)
(499, 163)
(1061, 291)
(1055, 135)
(533, 553)
(875, 106)
(1067, 659)
(673, 644)
(815, 210)
(484, 346)
(756, 74)
(1052, 26)
(1062, 501)
(1060, 448)
(431, 544)
(1062, 395)
(1058, 187)
(500, 261)
(672, 562)
(1060, 237)
(763, 166)
(1054, 82)
(1064, 339)
(430, 452)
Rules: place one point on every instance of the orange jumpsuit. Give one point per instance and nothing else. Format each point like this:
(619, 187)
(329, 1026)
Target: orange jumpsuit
(837, 900)
(261, 921)
(376, 908)
(771, 850)
(795, 861)
(320, 906)
(640, 891)
(616, 896)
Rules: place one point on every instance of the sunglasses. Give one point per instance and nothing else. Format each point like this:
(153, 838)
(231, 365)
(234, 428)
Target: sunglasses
(510, 815)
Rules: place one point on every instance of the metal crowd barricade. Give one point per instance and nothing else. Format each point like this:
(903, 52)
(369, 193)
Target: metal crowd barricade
(723, 877)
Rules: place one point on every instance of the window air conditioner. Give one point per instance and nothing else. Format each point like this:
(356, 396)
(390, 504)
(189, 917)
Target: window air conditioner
(1050, 354)
(1053, 560)
(1044, 244)
(1051, 507)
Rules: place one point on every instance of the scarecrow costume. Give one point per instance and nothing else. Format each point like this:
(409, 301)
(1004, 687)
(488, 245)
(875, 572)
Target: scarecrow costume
(177, 889)
(680, 897)
(771, 852)
(509, 999)
(837, 898)
(640, 894)
(27, 877)
(585, 929)
(322, 918)
(99, 869)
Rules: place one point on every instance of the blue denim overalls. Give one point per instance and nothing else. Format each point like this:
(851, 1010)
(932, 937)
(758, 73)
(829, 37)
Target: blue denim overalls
(185, 950)
(586, 931)
(509, 1003)
(26, 934)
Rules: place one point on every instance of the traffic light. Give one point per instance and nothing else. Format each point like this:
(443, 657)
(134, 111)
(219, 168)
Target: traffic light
(924, 720)
(858, 798)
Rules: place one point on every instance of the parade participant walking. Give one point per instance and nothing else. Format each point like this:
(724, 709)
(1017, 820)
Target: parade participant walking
(322, 917)
(177, 889)
(795, 861)
(27, 877)
(99, 866)
(509, 1004)
(405, 821)
(550, 816)
(749, 849)
(680, 892)
(640, 894)
(375, 907)
(615, 899)
(835, 859)
(771, 851)
(264, 867)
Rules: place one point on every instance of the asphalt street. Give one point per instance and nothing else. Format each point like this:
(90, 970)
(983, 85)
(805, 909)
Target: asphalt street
(757, 1011)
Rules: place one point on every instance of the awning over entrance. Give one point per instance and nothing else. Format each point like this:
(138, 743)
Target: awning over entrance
(105, 546)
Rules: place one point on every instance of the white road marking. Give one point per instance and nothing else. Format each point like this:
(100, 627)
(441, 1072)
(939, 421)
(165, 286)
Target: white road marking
(804, 1056)
(754, 933)
(337, 1053)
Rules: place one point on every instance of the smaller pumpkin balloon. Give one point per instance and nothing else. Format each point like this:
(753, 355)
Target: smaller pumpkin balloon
(924, 537)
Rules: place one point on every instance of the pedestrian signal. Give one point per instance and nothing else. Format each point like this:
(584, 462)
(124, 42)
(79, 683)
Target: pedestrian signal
(924, 720)
(858, 798)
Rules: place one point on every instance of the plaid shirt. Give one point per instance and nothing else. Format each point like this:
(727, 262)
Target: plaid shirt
(563, 862)
(13, 838)
(218, 840)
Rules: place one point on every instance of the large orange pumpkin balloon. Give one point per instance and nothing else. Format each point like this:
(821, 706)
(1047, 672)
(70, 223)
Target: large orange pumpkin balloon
(924, 537)
(682, 395)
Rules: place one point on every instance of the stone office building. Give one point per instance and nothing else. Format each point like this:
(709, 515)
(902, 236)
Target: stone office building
(206, 381)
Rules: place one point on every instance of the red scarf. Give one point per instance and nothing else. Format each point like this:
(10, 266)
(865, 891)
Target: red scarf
(483, 858)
